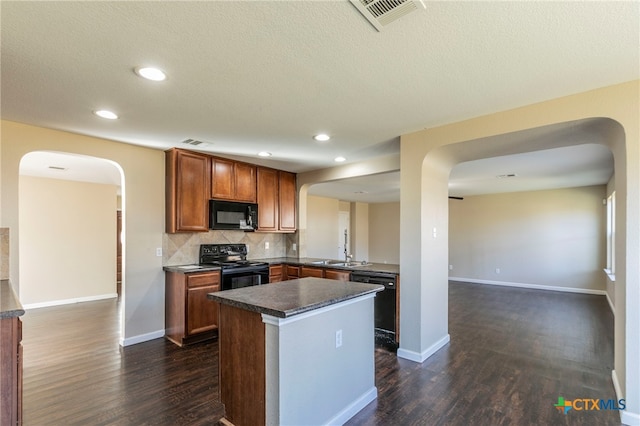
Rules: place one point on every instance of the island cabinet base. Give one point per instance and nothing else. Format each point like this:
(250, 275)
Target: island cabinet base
(312, 368)
(242, 365)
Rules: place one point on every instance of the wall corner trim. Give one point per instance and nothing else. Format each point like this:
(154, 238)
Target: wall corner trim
(141, 338)
(422, 356)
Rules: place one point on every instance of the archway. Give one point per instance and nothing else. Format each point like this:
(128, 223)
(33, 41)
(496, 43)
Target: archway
(427, 157)
(67, 213)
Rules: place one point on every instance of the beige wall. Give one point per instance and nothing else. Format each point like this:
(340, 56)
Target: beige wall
(360, 231)
(67, 241)
(322, 233)
(384, 232)
(374, 229)
(4, 253)
(143, 211)
(552, 238)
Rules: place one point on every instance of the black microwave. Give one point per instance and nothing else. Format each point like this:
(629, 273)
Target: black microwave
(233, 215)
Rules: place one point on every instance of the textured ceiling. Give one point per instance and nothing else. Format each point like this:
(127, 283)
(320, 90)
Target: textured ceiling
(254, 76)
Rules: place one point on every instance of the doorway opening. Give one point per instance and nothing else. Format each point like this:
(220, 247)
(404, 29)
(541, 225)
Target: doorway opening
(68, 217)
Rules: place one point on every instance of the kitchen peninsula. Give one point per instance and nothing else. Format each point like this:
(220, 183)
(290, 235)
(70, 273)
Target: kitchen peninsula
(296, 352)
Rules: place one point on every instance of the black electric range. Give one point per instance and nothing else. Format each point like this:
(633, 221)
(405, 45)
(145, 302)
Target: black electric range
(236, 270)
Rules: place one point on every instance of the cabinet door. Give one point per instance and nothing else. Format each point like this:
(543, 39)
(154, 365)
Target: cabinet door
(187, 191)
(292, 272)
(307, 271)
(202, 313)
(245, 182)
(267, 199)
(222, 179)
(275, 273)
(334, 274)
(287, 199)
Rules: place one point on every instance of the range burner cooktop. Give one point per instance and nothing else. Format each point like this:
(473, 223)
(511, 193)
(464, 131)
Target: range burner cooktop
(227, 256)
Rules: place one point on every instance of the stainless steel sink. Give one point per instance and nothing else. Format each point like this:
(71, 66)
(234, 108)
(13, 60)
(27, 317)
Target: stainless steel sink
(340, 263)
(328, 262)
(355, 264)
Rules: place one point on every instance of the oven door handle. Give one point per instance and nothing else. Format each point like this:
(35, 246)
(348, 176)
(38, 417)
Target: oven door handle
(245, 269)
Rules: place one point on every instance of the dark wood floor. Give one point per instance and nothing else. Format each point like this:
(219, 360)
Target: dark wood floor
(75, 373)
(513, 352)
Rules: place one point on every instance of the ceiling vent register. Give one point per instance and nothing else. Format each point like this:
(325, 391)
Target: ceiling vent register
(194, 142)
(383, 12)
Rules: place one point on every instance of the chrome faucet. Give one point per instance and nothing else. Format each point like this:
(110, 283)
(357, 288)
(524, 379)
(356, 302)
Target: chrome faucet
(347, 256)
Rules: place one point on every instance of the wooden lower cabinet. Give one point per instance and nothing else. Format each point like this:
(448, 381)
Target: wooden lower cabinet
(293, 272)
(10, 371)
(276, 273)
(310, 271)
(189, 315)
(335, 274)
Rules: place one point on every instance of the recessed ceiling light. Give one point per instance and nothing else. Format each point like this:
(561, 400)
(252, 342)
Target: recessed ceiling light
(264, 154)
(322, 137)
(106, 114)
(150, 73)
(339, 159)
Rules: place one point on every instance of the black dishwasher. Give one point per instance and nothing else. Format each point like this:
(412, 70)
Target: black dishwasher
(384, 306)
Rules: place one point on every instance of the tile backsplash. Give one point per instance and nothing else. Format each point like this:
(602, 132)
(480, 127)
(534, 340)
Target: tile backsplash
(4, 253)
(181, 249)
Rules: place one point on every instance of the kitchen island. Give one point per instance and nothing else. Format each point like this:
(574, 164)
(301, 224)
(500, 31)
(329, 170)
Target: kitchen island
(296, 352)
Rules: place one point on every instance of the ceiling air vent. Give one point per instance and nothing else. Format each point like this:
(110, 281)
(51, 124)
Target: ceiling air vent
(194, 142)
(383, 12)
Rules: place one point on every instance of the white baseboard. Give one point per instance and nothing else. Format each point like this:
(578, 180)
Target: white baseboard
(630, 419)
(626, 417)
(616, 385)
(422, 356)
(613, 308)
(352, 409)
(531, 286)
(142, 338)
(69, 301)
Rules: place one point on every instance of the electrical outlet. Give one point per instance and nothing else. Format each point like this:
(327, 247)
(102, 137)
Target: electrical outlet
(497, 270)
(338, 338)
(451, 267)
(294, 247)
(159, 252)
(266, 245)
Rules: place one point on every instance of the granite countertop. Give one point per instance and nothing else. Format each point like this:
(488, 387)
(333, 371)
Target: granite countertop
(390, 268)
(288, 298)
(9, 304)
(306, 261)
(189, 269)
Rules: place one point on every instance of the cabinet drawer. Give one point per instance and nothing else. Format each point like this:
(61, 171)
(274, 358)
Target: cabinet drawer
(293, 272)
(306, 271)
(334, 274)
(199, 280)
(275, 270)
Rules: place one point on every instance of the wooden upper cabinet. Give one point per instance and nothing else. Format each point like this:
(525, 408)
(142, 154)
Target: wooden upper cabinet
(245, 182)
(287, 207)
(276, 200)
(222, 185)
(267, 199)
(232, 180)
(187, 176)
